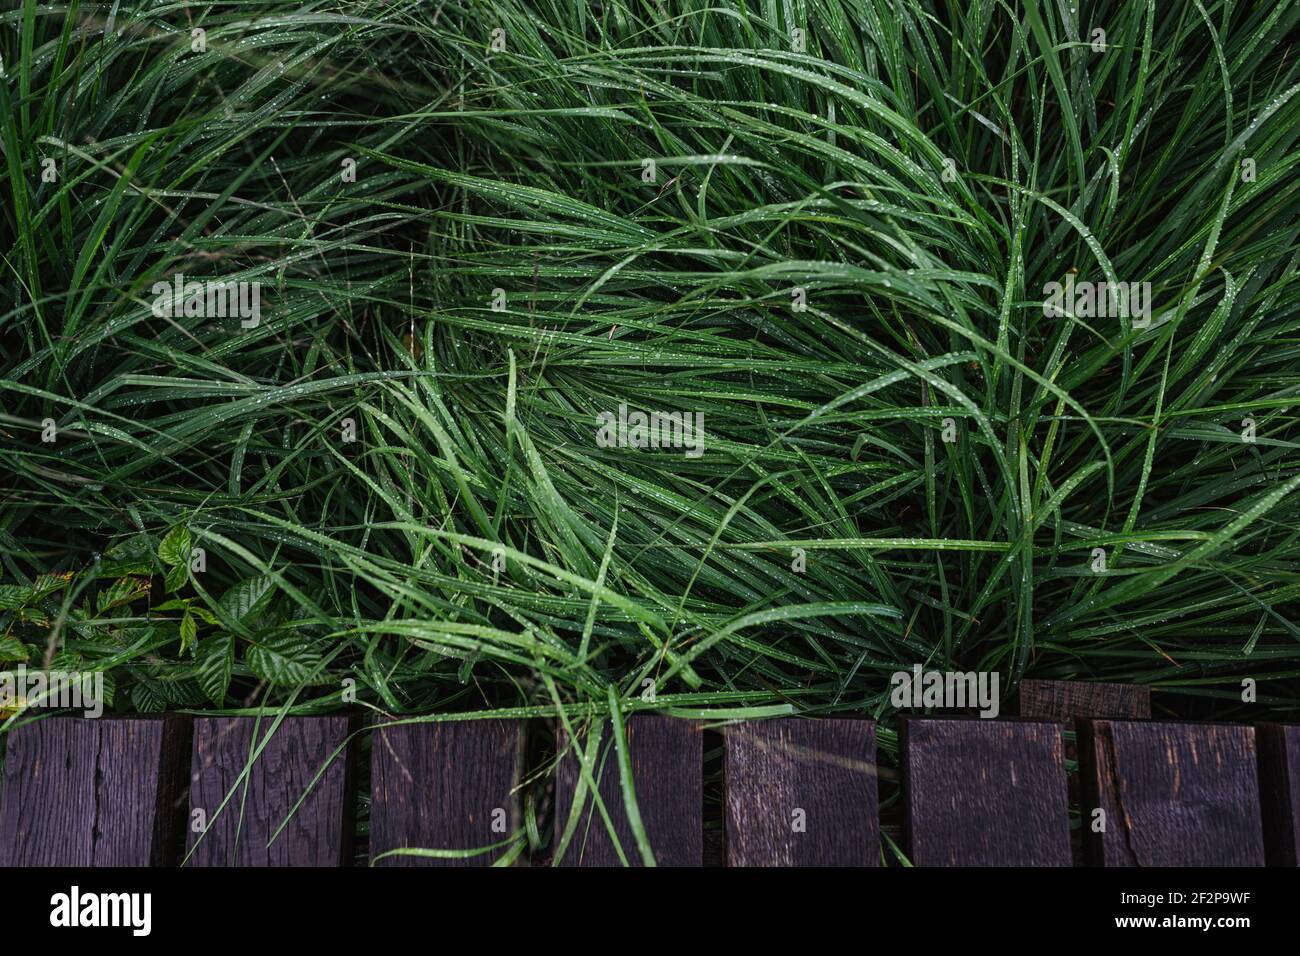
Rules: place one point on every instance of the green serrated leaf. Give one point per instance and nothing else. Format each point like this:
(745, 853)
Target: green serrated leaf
(283, 659)
(47, 584)
(247, 596)
(189, 631)
(147, 700)
(175, 547)
(14, 596)
(132, 556)
(12, 649)
(177, 575)
(216, 661)
(121, 592)
(206, 616)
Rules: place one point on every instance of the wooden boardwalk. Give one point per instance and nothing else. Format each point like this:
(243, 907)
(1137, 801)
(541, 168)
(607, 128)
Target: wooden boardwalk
(222, 791)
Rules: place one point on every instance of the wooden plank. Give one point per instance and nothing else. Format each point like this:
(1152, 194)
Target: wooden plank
(1070, 700)
(666, 754)
(93, 792)
(801, 792)
(984, 793)
(1279, 792)
(319, 832)
(1174, 794)
(445, 785)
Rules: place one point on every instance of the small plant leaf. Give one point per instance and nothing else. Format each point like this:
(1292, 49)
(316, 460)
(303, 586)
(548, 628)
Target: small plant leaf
(216, 661)
(177, 575)
(283, 659)
(12, 649)
(121, 592)
(189, 630)
(175, 547)
(247, 596)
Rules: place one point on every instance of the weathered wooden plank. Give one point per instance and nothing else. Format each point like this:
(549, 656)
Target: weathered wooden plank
(666, 754)
(801, 792)
(445, 785)
(1279, 791)
(1073, 701)
(1173, 794)
(319, 832)
(93, 792)
(1070, 700)
(984, 793)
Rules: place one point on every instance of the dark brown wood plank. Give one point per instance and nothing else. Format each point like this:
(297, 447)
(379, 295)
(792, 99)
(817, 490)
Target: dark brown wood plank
(1174, 794)
(1279, 791)
(802, 792)
(445, 785)
(984, 793)
(93, 792)
(666, 755)
(1070, 700)
(319, 832)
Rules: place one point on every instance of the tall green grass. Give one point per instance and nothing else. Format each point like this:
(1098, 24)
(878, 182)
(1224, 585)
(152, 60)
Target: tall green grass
(475, 548)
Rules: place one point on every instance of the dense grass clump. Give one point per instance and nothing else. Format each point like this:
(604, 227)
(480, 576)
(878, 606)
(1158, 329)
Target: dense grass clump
(825, 228)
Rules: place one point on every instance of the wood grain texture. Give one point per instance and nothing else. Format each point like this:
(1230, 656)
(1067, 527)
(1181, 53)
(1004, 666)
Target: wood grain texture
(319, 832)
(984, 793)
(801, 792)
(101, 792)
(1279, 791)
(1073, 701)
(1070, 700)
(438, 786)
(1173, 794)
(667, 771)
